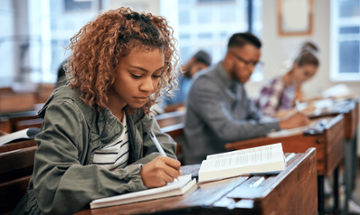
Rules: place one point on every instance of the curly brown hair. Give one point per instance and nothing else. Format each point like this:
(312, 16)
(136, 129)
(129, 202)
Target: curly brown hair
(98, 46)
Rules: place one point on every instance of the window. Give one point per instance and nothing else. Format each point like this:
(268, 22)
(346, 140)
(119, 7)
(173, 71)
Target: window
(184, 18)
(205, 36)
(205, 15)
(212, 23)
(71, 5)
(345, 40)
(184, 36)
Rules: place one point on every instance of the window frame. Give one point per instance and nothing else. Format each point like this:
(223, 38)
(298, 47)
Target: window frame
(335, 23)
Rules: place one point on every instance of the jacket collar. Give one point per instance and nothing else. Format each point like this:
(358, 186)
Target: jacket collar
(102, 123)
(223, 76)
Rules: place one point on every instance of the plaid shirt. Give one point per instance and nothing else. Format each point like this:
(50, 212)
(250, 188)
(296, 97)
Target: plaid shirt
(275, 96)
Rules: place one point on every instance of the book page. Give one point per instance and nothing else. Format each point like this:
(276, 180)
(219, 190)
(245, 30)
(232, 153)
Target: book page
(245, 151)
(269, 159)
(243, 159)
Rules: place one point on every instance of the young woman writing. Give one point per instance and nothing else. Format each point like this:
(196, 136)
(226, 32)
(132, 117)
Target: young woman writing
(279, 95)
(94, 140)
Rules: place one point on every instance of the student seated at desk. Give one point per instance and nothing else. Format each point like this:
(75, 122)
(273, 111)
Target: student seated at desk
(218, 110)
(94, 141)
(278, 96)
(201, 60)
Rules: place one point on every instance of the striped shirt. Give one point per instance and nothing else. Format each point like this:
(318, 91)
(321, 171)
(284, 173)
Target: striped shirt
(116, 154)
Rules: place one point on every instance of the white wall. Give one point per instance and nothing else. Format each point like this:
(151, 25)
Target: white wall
(276, 48)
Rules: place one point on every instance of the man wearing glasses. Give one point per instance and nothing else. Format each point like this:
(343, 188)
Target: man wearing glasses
(218, 108)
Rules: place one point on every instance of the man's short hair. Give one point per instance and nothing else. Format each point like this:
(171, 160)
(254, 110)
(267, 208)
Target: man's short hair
(241, 39)
(203, 57)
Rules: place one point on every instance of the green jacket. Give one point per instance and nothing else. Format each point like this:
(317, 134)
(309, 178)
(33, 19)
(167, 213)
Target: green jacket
(64, 180)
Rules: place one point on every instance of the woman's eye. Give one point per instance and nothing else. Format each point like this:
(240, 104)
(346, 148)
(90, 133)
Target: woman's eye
(135, 76)
(157, 76)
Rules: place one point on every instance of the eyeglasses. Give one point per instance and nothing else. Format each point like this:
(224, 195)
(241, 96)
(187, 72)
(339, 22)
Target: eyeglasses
(248, 63)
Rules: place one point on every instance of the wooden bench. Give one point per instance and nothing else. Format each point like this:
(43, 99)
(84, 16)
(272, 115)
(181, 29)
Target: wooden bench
(15, 175)
(293, 191)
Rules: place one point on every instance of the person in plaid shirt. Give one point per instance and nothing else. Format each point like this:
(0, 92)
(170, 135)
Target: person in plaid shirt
(280, 93)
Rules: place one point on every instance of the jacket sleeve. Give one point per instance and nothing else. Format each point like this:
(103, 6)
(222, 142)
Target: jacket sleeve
(61, 184)
(205, 100)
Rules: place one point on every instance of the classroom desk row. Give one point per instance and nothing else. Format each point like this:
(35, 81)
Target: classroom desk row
(325, 137)
(12, 101)
(293, 191)
(335, 140)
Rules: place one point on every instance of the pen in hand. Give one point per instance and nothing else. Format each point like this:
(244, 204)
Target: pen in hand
(157, 144)
(159, 148)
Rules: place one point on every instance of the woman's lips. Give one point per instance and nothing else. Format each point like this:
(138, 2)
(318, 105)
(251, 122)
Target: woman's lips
(141, 99)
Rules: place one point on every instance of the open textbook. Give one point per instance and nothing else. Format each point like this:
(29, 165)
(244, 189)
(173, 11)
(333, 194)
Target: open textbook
(269, 158)
(28, 133)
(178, 187)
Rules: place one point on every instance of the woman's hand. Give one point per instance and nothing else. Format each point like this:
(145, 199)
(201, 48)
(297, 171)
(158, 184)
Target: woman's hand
(160, 171)
(295, 120)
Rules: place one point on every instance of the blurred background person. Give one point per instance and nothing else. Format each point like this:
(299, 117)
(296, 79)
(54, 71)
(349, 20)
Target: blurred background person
(201, 60)
(279, 95)
(218, 109)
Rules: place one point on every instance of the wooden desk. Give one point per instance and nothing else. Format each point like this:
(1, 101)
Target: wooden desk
(16, 117)
(17, 161)
(329, 145)
(31, 123)
(172, 118)
(293, 191)
(15, 102)
(173, 124)
(17, 145)
(5, 125)
(350, 109)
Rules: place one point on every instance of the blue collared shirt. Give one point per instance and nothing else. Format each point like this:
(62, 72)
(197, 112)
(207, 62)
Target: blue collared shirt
(218, 111)
(179, 94)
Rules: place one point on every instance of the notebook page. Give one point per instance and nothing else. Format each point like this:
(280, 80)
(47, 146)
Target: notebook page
(183, 180)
